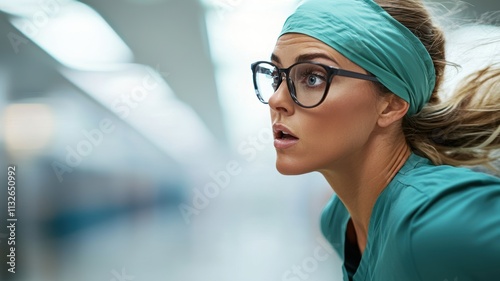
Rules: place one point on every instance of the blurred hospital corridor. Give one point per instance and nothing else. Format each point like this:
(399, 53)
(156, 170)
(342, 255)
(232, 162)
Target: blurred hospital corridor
(141, 151)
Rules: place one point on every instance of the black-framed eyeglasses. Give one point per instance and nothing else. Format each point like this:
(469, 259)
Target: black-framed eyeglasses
(308, 82)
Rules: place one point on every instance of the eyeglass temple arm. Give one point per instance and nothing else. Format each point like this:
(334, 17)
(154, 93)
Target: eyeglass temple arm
(347, 73)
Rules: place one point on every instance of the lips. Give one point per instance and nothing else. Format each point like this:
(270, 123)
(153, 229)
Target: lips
(283, 137)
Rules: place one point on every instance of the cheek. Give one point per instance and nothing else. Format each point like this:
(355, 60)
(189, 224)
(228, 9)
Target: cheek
(341, 126)
(344, 123)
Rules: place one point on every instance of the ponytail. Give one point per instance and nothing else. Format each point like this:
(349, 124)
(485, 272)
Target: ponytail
(464, 129)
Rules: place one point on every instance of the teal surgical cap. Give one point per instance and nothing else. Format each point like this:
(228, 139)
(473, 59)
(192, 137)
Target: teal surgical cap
(367, 35)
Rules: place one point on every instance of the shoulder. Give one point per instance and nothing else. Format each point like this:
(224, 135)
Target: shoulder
(458, 237)
(431, 180)
(451, 220)
(421, 186)
(425, 193)
(333, 220)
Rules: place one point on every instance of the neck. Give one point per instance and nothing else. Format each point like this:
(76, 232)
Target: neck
(359, 180)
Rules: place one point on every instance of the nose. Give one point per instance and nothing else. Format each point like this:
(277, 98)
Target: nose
(281, 101)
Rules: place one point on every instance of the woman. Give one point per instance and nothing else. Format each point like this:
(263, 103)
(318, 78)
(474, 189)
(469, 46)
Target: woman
(360, 105)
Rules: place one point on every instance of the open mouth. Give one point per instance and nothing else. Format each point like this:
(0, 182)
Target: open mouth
(282, 135)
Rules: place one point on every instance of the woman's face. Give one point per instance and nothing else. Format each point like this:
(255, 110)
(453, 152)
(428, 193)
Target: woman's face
(333, 134)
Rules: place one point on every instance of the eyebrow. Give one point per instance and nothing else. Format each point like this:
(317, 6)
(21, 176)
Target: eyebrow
(275, 58)
(307, 57)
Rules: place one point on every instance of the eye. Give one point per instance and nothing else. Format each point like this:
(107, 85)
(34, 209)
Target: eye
(313, 80)
(312, 77)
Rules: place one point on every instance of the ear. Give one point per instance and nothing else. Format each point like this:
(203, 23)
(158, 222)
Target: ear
(392, 109)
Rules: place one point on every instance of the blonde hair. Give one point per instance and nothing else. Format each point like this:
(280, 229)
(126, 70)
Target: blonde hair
(465, 128)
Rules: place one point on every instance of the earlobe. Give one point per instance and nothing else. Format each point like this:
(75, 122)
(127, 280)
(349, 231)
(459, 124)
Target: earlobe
(395, 108)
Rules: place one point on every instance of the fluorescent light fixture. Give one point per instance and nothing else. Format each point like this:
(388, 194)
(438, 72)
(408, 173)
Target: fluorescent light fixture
(75, 35)
(31, 8)
(139, 96)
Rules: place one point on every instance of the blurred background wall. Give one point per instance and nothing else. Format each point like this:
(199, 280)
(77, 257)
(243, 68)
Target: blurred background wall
(141, 151)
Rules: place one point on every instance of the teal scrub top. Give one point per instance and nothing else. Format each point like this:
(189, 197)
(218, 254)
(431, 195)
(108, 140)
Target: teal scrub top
(431, 223)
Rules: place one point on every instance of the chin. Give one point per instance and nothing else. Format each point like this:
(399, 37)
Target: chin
(291, 168)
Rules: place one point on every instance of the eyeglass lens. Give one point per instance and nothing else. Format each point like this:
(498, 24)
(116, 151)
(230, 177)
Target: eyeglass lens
(308, 82)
